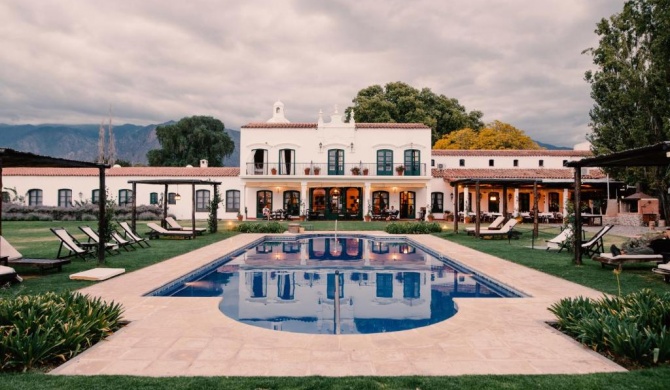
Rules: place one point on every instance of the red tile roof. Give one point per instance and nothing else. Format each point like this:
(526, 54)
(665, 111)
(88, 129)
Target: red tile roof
(263, 125)
(127, 171)
(537, 173)
(521, 153)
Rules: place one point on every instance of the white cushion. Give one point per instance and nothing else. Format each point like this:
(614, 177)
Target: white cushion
(6, 270)
(97, 274)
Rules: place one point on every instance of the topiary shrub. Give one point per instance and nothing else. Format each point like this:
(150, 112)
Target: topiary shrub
(630, 329)
(43, 330)
(413, 228)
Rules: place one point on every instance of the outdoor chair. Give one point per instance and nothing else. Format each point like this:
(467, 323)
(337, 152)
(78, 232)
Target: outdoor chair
(495, 225)
(504, 232)
(14, 257)
(8, 275)
(595, 245)
(561, 241)
(620, 260)
(71, 245)
(122, 242)
(157, 232)
(130, 234)
(174, 225)
(94, 240)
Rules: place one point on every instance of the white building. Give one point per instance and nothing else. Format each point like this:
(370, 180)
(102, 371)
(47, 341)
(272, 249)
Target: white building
(331, 169)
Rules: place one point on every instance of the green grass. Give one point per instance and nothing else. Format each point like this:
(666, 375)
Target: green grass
(34, 239)
(590, 274)
(642, 379)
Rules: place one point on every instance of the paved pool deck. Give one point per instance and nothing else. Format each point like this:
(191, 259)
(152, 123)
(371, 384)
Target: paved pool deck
(190, 337)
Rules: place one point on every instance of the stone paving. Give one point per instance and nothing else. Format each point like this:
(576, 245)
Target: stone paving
(190, 336)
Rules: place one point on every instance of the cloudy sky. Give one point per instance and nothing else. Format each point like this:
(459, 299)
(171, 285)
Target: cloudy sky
(518, 61)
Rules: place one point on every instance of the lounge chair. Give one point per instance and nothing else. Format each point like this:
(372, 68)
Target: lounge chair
(94, 240)
(69, 243)
(561, 241)
(157, 232)
(505, 231)
(663, 269)
(8, 275)
(495, 225)
(174, 225)
(620, 260)
(122, 242)
(130, 234)
(595, 245)
(14, 257)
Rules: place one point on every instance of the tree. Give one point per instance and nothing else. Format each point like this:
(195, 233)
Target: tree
(189, 140)
(400, 103)
(495, 136)
(631, 88)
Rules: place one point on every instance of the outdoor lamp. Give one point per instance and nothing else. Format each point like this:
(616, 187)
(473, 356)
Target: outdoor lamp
(177, 196)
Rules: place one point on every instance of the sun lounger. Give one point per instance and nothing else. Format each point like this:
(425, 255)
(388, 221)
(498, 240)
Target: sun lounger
(495, 225)
(131, 235)
(620, 260)
(14, 257)
(94, 240)
(561, 241)
(174, 225)
(122, 242)
(157, 232)
(595, 245)
(71, 245)
(8, 275)
(504, 232)
(663, 269)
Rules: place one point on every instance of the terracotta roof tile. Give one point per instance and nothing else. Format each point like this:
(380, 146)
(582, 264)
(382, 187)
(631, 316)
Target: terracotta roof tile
(391, 126)
(263, 125)
(521, 153)
(537, 173)
(127, 171)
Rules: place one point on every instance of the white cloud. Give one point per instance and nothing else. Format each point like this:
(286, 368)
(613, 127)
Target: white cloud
(518, 61)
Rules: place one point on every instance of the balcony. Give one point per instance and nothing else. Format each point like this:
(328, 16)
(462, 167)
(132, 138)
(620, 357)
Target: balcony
(316, 169)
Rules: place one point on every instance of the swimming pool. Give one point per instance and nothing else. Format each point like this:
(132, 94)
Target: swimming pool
(329, 284)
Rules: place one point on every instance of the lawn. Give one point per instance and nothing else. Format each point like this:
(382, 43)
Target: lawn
(33, 239)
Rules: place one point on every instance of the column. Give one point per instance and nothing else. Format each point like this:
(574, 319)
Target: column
(303, 198)
(466, 200)
(566, 195)
(243, 201)
(429, 200)
(516, 202)
(368, 199)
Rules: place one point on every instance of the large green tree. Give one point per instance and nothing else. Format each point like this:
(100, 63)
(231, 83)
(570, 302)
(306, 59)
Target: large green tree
(190, 140)
(401, 103)
(631, 87)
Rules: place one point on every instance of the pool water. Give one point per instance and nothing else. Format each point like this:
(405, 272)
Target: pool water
(338, 285)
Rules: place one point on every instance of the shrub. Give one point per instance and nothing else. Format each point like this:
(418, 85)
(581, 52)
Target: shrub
(260, 227)
(147, 216)
(413, 228)
(88, 217)
(42, 330)
(630, 328)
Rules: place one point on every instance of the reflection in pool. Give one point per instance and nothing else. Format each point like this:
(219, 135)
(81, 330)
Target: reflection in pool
(337, 285)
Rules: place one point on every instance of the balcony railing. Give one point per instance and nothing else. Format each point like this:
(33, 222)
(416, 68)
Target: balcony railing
(318, 169)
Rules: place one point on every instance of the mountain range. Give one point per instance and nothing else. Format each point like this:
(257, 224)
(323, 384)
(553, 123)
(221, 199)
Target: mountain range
(80, 142)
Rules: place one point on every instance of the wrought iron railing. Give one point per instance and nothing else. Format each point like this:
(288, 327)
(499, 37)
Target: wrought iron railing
(351, 169)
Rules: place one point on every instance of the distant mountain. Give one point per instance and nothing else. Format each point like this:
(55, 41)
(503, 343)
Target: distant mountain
(552, 147)
(80, 142)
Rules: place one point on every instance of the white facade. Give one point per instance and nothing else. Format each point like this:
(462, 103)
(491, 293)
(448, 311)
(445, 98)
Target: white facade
(357, 170)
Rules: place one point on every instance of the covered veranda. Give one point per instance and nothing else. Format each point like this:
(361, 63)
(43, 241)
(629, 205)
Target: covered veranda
(10, 158)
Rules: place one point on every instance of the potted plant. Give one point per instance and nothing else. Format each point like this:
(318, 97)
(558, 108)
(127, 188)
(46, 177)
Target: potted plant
(307, 170)
(400, 169)
(239, 216)
(355, 171)
(448, 216)
(317, 170)
(430, 215)
(274, 171)
(365, 171)
(368, 214)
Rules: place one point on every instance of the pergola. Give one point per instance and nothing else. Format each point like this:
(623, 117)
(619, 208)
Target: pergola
(10, 158)
(166, 183)
(647, 156)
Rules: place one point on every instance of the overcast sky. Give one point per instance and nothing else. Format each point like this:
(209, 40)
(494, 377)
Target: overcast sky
(517, 61)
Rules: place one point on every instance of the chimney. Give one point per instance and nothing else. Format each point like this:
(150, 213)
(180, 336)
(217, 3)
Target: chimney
(203, 163)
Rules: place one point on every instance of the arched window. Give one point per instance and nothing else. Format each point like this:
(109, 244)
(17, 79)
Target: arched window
(287, 162)
(64, 197)
(437, 202)
(232, 201)
(125, 197)
(380, 201)
(384, 162)
(260, 164)
(408, 204)
(554, 205)
(412, 162)
(34, 197)
(202, 200)
(292, 202)
(494, 202)
(263, 198)
(336, 162)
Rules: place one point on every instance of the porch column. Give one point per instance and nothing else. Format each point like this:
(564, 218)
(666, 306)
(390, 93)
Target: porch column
(466, 201)
(455, 200)
(303, 198)
(429, 200)
(566, 196)
(243, 201)
(367, 197)
(516, 202)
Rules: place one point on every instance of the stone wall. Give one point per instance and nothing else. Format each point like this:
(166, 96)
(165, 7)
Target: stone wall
(626, 219)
